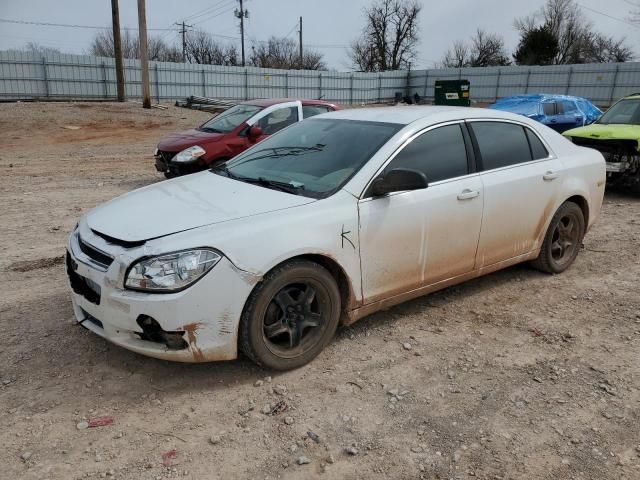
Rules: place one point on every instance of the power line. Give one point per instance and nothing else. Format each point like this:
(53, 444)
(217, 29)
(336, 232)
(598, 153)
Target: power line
(167, 30)
(609, 16)
(291, 31)
(218, 13)
(47, 24)
(204, 11)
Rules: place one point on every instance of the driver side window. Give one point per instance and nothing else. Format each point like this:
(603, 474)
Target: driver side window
(278, 119)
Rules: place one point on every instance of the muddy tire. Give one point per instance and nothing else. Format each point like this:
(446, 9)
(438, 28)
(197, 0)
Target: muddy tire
(291, 316)
(563, 239)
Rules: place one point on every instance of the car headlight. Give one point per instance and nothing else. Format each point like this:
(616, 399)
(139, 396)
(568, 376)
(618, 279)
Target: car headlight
(189, 154)
(171, 272)
(155, 152)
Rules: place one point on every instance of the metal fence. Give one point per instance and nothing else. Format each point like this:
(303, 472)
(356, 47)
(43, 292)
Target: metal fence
(602, 83)
(30, 76)
(59, 76)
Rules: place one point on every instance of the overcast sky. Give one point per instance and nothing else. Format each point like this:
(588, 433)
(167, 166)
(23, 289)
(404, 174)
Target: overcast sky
(328, 25)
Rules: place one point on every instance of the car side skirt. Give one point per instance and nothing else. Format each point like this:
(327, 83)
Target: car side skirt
(361, 312)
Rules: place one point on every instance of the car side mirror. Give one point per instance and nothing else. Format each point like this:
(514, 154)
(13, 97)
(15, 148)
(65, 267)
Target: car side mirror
(255, 131)
(398, 180)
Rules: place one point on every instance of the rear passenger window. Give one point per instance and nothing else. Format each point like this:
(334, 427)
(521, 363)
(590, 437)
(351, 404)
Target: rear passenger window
(538, 150)
(440, 154)
(549, 108)
(501, 144)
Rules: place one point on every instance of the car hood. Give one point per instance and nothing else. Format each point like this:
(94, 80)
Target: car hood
(606, 132)
(176, 142)
(185, 203)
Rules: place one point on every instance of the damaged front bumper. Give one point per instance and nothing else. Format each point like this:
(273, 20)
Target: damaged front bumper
(198, 324)
(164, 163)
(622, 156)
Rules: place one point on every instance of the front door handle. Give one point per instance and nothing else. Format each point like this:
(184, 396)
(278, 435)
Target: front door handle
(550, 175)
(468, 194)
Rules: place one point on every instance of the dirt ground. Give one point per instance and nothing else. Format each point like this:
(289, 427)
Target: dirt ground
(517, 375)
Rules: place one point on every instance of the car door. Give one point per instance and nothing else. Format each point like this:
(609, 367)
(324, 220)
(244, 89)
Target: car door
(276, 117)
(552, 112)
(521, 180)
(415, 238)
(569, 116)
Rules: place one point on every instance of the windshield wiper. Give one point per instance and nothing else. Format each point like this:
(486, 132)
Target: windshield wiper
(288, 151)
(289, 187)
(210, 130)
(224, 169)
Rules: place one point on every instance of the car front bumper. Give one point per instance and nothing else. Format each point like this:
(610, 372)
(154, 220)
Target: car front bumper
(206, 314)
(164, 163)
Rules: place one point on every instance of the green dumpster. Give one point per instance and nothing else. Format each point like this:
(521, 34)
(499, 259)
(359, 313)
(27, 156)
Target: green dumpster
(453, 93)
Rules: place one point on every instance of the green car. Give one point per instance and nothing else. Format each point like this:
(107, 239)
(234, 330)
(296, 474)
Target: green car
(616, 134)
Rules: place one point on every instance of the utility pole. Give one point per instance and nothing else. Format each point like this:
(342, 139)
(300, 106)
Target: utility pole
(144, 57)
(300, 32)
(183, 31)
(117, 49)
(242, 14)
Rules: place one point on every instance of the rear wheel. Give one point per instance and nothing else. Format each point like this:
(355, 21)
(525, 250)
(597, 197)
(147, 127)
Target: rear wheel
(563, 239)
(290, 316)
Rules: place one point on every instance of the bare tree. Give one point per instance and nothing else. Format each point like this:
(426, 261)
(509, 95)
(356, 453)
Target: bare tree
(389, 38)
(284, 53)
(202, 48)
(457, 56)
(485, 50)
(158, 49)
(576, 39)
(602, 49)
(488, 50)
(35, 47)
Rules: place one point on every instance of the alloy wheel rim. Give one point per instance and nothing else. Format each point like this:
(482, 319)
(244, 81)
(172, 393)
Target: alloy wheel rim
(565, 239)
(294, 319)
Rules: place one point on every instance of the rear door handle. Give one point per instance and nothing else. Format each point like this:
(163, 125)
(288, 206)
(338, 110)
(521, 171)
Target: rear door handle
(550, 175)
(468, 194)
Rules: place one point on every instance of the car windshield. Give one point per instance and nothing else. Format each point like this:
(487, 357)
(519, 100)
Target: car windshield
(625, 112)
(230, 119)
(313, 158)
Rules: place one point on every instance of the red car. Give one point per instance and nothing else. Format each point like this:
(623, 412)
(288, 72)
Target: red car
(231, 132)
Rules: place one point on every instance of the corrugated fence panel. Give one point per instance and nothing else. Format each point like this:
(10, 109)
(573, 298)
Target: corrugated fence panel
(25, 75)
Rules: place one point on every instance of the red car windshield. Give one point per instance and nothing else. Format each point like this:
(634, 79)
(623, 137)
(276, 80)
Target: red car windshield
(230, 119)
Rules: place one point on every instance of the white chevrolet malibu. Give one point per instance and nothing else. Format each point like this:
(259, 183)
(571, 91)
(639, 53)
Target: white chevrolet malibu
(324, 223)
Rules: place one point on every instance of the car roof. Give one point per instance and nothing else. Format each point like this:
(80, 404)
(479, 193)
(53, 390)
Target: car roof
(267, 102)
(404, 115)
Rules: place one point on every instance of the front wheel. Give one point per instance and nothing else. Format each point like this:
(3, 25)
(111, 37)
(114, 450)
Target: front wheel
(290, 316)
(563, 239)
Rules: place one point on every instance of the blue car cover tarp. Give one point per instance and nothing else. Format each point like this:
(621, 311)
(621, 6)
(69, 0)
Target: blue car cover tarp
(532, 106)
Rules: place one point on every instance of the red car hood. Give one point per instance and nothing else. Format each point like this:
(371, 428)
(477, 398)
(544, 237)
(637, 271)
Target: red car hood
(176, 142)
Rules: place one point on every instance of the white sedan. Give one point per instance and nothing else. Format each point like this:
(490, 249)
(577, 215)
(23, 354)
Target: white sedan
(324, 223)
